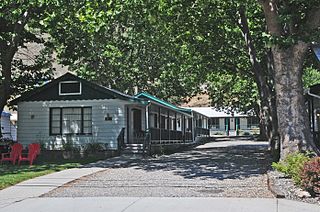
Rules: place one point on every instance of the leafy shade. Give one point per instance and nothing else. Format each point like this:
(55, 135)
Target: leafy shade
(233, 91)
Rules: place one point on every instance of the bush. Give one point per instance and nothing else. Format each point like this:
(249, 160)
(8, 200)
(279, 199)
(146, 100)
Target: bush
(310, 176)
(292, 166)
(93, 147)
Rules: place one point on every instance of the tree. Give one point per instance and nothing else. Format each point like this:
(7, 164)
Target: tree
(292, 26)
(18, 24)
(126, 45)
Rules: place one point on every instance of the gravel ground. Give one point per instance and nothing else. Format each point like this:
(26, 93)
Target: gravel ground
(208, 171)
(287, 187)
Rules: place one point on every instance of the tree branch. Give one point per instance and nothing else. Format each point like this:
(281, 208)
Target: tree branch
(244, 27)
(270, 10)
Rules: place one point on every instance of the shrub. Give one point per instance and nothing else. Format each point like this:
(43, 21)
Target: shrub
(6, 141)
(292, 165)
(310, 176)
(93, 147)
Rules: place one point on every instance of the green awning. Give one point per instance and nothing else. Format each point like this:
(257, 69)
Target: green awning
(162, 102)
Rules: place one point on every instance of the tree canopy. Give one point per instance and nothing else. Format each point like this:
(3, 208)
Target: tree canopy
(249, 53)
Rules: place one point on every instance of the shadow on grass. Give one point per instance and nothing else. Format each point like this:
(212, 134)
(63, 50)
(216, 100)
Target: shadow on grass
(39, 166)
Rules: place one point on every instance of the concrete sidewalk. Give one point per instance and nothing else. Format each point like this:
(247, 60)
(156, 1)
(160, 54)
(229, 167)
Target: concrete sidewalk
(25, 197)
(41, 185)
(156, 204)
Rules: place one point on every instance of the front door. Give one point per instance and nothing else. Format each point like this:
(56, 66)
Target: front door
(137, 132)
(137, 126)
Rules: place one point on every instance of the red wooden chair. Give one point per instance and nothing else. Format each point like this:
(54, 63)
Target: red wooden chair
(33, 151)
(37, 147)
(13, 155)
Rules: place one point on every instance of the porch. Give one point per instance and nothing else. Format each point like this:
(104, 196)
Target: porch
(155, 124)
(313, 102)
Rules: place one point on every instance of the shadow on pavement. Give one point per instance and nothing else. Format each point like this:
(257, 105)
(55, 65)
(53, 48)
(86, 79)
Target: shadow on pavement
(219, 163)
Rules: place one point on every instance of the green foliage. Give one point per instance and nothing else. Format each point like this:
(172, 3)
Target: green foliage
(310, 176)
(69, 145)
(93, 147)
(311, 76)
(292, 165)
(232, 91)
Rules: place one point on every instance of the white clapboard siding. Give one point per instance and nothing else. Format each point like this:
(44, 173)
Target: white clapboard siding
(222, 124)
(33, 121)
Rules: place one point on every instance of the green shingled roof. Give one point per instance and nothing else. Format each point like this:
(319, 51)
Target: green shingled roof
(162, 102)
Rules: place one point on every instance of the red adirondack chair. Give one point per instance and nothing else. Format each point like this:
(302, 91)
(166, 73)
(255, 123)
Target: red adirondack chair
(13, 155)
(37, 147)
(33, 151)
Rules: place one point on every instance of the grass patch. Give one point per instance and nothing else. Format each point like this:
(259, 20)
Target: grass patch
(11, 175)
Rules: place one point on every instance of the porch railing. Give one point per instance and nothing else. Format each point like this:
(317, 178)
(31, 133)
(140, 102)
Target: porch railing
(202, 132)
(164, 135)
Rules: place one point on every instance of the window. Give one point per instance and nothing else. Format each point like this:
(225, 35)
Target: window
(214, 123)
(153, 120)
(70, 88)
(253, 122)
(71, 120)
(162, 122)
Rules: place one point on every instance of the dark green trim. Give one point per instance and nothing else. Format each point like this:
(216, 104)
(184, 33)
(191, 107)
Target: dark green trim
(162, 102)
(49, 92)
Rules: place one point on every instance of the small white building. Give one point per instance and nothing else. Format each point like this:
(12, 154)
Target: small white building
(8, 129)
(229, 123)
(73, 109)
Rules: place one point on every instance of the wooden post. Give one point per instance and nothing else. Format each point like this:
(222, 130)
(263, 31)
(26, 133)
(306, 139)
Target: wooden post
(159, 112)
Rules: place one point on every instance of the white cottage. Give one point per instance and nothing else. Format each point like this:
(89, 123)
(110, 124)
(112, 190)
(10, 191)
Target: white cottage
(71, 108)
(229, 123)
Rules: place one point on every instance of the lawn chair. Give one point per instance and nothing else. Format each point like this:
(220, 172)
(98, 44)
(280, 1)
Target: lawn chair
(37, 147)
(33, 151)
(13, 155)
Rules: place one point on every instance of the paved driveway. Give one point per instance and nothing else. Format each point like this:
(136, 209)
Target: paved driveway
(227, 168)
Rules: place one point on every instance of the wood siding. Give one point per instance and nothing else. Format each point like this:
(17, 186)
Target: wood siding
(33, 121)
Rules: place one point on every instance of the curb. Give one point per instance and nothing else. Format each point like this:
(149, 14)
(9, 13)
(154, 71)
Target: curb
(274, 189)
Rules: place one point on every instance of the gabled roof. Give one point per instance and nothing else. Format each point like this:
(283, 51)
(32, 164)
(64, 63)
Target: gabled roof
(148, 96)
(95, 91)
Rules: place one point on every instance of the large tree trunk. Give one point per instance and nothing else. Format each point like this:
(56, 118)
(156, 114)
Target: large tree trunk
(294, 131)
(5, 87)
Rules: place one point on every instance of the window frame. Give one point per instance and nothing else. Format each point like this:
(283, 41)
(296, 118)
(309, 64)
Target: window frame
(252, 122)
(215, 123)
(70, 94)
(61, 121)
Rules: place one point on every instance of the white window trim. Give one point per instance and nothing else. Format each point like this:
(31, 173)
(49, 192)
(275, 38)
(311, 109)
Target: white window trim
(69, 94)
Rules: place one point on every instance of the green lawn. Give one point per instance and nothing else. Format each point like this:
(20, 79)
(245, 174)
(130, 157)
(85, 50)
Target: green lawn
(11, 175)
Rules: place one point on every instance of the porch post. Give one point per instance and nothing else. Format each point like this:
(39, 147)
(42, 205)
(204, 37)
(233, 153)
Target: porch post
(183, 127)
(147, 118)
(312, 114)
(168, 124)
(159, 126)
(193, 127)
(128, 125)
(175, 122)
